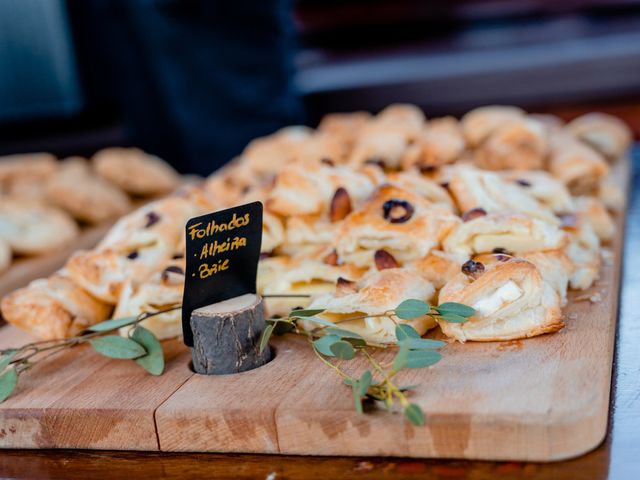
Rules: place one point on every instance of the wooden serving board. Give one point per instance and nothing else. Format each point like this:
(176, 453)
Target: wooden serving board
(540, 399)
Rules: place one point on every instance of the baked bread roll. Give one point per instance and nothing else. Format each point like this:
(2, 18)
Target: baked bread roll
(161, 291)
(376, 293)
(31, 228)
(518, 144)
(472, 188)
(135, 171)
(53, 308)
(396, 220)
(609, 135)
(479, 123)
(576, 165)
(542, 186)
(504, 232)
(510, 298)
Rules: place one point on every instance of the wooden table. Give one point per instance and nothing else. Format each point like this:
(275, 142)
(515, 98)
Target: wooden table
(617, 458)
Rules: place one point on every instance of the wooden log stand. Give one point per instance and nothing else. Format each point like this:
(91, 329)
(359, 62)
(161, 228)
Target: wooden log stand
(226, 336)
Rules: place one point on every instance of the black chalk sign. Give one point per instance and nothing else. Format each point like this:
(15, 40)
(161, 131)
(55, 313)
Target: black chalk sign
(222, 254)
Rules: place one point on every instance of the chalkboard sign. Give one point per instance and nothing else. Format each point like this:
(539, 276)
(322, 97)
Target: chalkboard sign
(222, 254)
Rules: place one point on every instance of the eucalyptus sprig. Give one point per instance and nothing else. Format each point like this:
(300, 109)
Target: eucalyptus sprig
(140, 345)
(329, 341)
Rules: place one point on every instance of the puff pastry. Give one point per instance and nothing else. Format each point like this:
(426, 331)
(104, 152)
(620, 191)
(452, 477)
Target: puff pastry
(584, 252)
(428, 189)
(439, 267)
(511, 301)
(542, 186)
(53, 308)
(396, 220)
(376, 293)
(607, 134)
(576, 165)
(440, 142)
(479, 123)
(592, 210)
(507, 232)
(518, 144)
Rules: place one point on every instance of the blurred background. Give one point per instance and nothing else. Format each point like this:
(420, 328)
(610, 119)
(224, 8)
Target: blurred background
(194, 80)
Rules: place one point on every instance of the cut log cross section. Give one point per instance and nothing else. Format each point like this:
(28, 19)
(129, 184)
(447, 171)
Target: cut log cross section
(226, 336)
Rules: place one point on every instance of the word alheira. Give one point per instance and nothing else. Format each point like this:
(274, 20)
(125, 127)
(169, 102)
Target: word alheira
(211, 249)
(197, 231)
(329, 341)
(140, 345)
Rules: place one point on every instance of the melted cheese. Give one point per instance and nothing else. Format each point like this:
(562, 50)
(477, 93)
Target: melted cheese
(494, 302)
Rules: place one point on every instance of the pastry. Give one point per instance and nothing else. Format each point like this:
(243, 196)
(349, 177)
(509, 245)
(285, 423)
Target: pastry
(344, 126)
(375, 294)
(396, 220)
(135, 171)
(162, 291)
(504, 232)
(440, 142)
(53, 308)
(306, 233)
(439, 267)
(479, 123)
(87, 197)
(510, 299)
(36, 166)
(5, 255)
(592, 210)
(472, 189)
(583, 251)
(555, 267)
(607, 134)
(272, 232)
(576, 165)
(306, 189)
(518, 144)
(428, 189)
(31, 228)
(542, 186)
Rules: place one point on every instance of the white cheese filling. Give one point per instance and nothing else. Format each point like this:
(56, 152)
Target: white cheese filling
(494, 302)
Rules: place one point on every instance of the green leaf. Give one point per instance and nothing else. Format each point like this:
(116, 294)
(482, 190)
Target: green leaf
(421, 343)
(342, 333)
(266, 334)
(365, 382)
(343, 350)
(153, 361)
(305, 313)
(320, 321)
(357, 397)
(5, 359)
(400, 361)
(404, 331)
(112, 324)
(422, 358)
(414, 414)
(281, 327)
(356, 342)
(114, 346)
(8, 382)
(323, 344)
(453, 318)
(456, 309)
(412, 308)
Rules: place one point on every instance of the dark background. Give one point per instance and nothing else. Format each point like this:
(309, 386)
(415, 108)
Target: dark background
(194, 80)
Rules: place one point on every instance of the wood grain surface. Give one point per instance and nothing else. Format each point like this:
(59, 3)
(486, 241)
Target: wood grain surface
(541, 399)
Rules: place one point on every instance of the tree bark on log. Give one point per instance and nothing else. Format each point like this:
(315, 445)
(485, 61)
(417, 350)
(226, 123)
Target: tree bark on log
(226, 336)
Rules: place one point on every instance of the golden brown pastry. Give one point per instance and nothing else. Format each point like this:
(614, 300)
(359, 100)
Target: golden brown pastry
(308, 190)
(514, 233)
(5, 255)
(518, 144)
(31, 228)
(344, 126)
(611, 194)
(439, 267)
(479, 123)
(376, 293)
(135, 171)
(53, 308)
(472, 188)
(593, 211)
(576, 165)
(583, 251)
(440, 142)
(272, 232)
(86, 196)
(556, 269)
(428, 189)
(162, 291)
(510, 299)
(28, 167)
(305, 233)
(607, 134)
(396, 220)
(542, 186)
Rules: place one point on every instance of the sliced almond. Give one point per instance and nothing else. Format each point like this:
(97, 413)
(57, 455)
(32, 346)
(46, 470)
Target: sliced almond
(331, 258)
(473, 213)
(384, 260)
(345, 287)
(340, 205)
